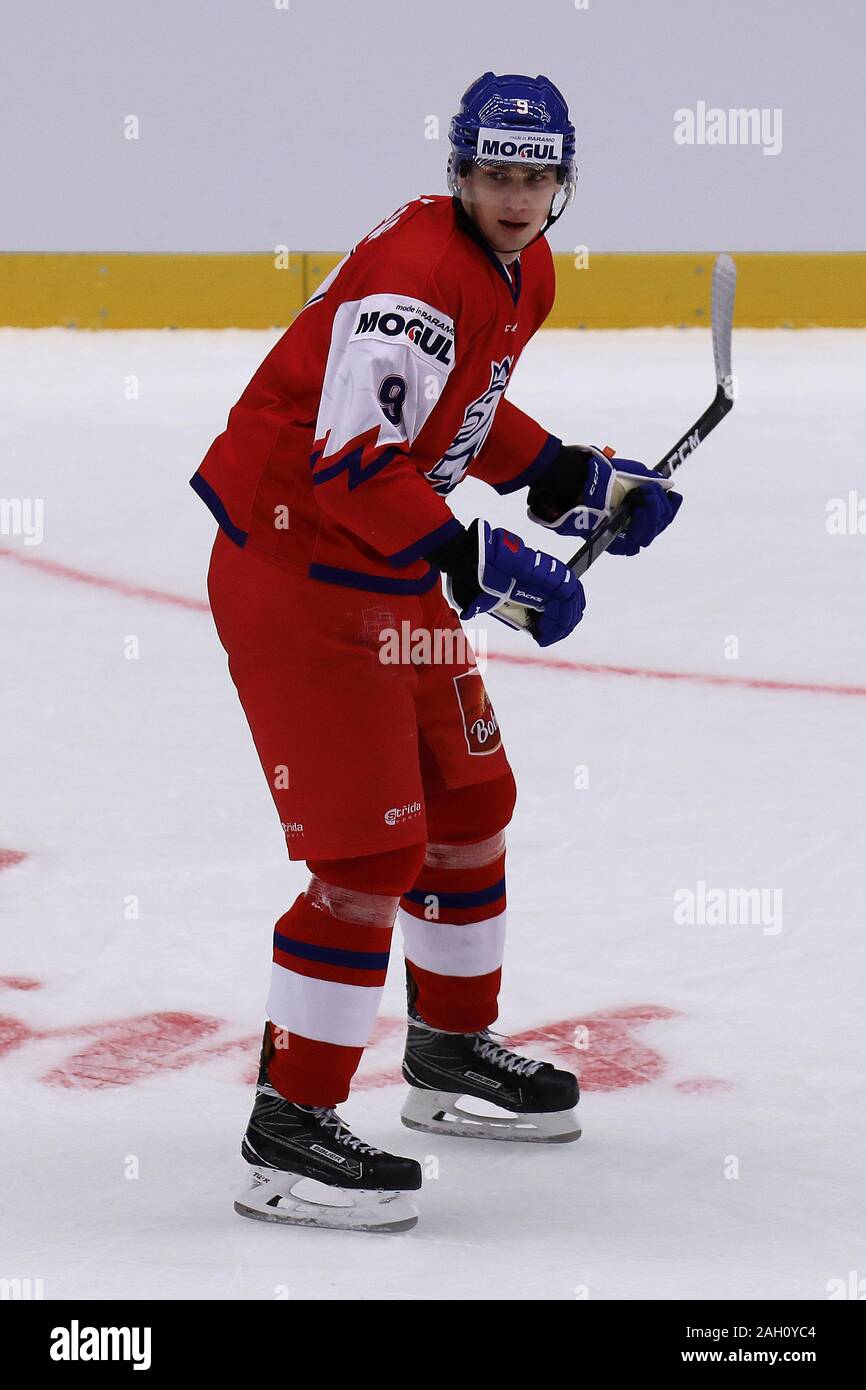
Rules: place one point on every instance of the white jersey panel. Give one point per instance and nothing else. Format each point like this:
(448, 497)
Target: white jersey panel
(389, 360)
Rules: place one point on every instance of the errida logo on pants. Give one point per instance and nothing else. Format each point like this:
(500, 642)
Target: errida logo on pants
(398, 814)
(388, 317)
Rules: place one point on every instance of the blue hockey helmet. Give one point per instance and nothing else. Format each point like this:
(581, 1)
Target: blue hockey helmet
(514, 119)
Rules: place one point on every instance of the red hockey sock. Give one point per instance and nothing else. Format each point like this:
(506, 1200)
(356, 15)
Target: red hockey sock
(453, 924)
(329, 964)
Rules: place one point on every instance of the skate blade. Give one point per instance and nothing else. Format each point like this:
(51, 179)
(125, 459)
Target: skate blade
(289, 1199)
(440, 1112)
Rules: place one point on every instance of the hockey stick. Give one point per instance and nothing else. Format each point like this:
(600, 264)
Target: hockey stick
(724, 288)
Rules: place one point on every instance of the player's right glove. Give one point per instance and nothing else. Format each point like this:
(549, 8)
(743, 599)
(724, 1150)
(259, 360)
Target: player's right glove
(582, 487)
(486, 566)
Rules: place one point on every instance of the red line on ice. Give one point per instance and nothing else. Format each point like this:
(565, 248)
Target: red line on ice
(99, 581)
(550, 663)
(591, 668)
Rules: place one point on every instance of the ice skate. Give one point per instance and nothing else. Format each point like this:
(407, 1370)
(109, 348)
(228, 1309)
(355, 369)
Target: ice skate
(306, 1168)
(535, 1102)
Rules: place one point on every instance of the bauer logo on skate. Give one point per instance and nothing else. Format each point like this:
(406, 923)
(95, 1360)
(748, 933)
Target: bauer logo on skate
(479, 721)
(399, 815)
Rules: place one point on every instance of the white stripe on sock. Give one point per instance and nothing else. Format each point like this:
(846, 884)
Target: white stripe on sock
(321, 1009)
(446, 948)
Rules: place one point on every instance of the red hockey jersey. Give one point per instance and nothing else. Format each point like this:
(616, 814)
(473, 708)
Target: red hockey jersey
(387, 389)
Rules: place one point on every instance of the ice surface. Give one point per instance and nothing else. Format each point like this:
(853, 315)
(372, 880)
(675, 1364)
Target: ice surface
(706, 1049)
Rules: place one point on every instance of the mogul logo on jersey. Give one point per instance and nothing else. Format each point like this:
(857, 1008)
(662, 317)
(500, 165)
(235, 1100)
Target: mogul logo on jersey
(514, 144)
(386, 317)
(479, 721)
(398, 814)
(477, 419)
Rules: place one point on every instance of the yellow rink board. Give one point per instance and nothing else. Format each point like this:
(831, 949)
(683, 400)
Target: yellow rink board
(614, 290)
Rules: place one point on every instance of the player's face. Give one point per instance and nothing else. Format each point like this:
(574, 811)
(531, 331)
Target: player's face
(509, 204)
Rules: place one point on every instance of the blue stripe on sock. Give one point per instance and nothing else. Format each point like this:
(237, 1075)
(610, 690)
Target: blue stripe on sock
(475, 899)
(332, 955)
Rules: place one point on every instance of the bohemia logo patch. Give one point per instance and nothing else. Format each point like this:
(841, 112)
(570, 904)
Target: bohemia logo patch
(479, 721)
(478, 418)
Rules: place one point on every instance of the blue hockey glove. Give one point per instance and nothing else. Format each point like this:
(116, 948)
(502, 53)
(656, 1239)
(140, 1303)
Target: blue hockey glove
(485, 566)
(583, 487)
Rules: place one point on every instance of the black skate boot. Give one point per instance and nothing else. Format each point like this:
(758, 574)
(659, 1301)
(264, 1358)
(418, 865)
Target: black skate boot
(443, 1067)
(308, 1169)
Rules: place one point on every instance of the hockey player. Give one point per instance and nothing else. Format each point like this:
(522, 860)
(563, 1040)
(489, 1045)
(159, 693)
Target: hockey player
(330, 488)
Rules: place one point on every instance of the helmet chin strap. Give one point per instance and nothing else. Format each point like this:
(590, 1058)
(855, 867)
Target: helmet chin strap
(549, 221)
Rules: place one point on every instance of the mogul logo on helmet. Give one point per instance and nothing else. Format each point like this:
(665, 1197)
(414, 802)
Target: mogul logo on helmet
(431, 334)
(516, 145)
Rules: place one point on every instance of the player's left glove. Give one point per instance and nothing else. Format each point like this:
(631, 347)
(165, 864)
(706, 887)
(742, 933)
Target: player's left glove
(582, 487)
(484, 567)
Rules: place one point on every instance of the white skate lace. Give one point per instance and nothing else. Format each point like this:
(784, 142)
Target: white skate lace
(342, 1134)
(491, 1051)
